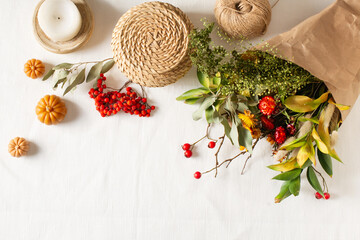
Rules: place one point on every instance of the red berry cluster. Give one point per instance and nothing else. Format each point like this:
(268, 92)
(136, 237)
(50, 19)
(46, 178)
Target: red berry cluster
(112, 102)
(319, 196)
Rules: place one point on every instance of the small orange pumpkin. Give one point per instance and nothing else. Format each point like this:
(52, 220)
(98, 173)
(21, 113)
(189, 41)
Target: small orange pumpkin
(34, 68)
(51, 110)
(18, 147)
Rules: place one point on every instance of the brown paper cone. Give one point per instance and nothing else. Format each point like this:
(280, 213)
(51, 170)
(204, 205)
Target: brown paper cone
(328, 46)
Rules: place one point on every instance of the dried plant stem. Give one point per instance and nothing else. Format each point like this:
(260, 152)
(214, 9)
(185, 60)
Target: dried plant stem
(247, 159)
(325, 187)
(228, 161)
(217, 154)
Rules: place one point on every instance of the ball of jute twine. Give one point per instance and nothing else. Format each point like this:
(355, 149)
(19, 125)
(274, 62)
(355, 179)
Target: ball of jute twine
(243, 18)
(150, 44)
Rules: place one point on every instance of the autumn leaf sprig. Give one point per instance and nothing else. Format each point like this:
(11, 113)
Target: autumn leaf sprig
(74, 74)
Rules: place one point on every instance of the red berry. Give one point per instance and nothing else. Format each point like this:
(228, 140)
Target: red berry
(152, 107)
(101, 75)
(188, 153)
(128, 89)
(143, 112)
(101, 89)
(106, 100)
(280, 135)
(211, 144)
(267, 122)
(267, 105)
(197, 175)
(104, 86)
(144, 100)
(326, 195)
(186, 147)
(318, 195)
(96, 92)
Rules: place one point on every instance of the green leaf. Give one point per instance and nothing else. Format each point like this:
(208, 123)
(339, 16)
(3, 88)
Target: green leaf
(209, 114)
(290, 175)
(302, 104)
(80, 78)
(313, 120)
(215, 82)
(295, 144)
(227, 128)
(231, 104)
(307, 164)
(326, 162)
(107, 66)
(245, 138)
(63, 66)
(313, 180)
(285, 166)
(60, 74)
(197, 115)
(193, 93)
(94, 72)
(191, 101)
(48, 74)
(234, 134)
(294, 186)
(203, 79)
(284, 192)
(242, 107)
(59, 81)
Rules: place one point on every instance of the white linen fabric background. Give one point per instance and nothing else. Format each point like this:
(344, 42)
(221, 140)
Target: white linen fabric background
(125, 177)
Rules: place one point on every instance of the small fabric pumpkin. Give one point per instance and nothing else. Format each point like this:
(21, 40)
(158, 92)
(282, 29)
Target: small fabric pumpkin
(34, 68)
(51, 110)
(18, 147)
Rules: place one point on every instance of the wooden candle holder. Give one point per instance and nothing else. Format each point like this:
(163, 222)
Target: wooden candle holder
(66, 46)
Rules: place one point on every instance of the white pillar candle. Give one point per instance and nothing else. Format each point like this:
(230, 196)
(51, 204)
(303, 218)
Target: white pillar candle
(59, 19)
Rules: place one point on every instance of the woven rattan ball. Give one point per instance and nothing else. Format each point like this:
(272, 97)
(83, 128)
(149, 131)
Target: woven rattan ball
(150, 44)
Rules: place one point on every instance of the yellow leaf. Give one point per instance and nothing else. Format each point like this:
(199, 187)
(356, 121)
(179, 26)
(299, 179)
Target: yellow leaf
(307, 151)
(341, 107)
(285, 166)
(319, 143)
(299, 103)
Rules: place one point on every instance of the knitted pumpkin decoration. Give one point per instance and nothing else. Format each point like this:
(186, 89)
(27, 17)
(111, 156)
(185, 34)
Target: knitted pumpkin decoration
(51, 110)
(18, 147)
(34, 68)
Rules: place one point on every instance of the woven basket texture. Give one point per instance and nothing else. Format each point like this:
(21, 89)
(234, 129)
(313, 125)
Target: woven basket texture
(150, 44)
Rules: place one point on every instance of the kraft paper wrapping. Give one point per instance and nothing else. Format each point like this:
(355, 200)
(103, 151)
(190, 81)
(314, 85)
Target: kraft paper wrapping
(328, 46)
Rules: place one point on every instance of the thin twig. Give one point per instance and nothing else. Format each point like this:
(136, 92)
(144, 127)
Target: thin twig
(247, 159)
(217, 153)
(323, 179)
(225, 161)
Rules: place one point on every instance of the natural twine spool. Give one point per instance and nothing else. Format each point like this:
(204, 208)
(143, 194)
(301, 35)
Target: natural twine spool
(150, 44)
(243, 18)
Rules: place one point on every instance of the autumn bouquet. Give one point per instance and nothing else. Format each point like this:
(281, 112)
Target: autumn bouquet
(255, 93)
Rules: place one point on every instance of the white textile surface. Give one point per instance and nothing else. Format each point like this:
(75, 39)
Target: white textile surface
(125, 177)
